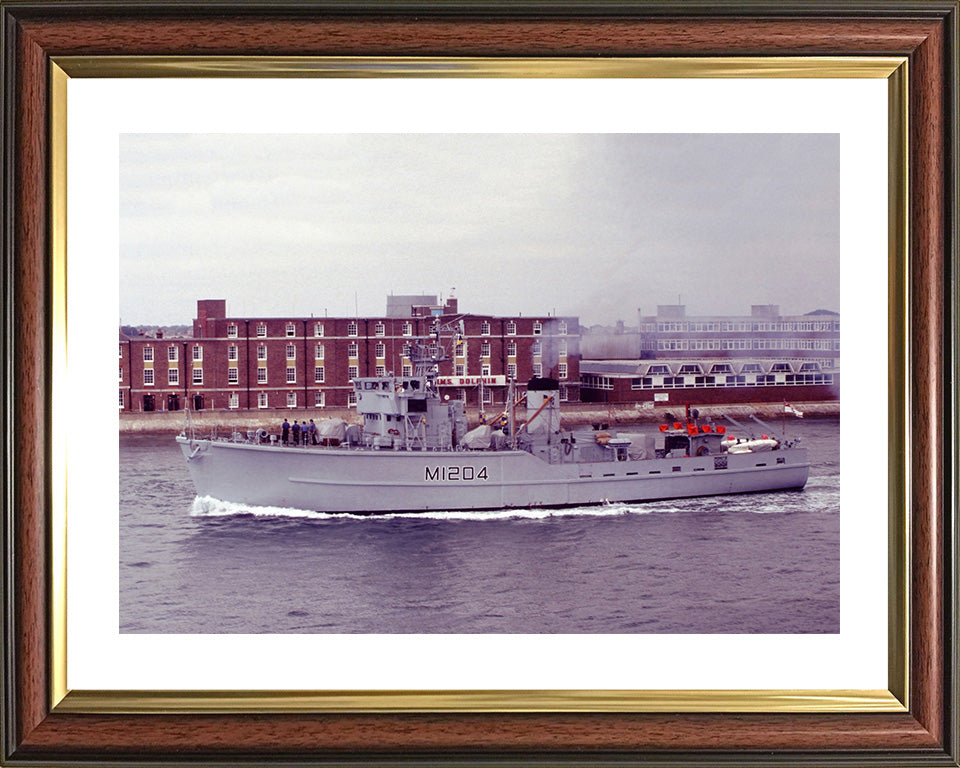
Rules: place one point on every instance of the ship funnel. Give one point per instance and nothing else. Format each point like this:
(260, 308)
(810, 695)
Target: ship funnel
(543, 406)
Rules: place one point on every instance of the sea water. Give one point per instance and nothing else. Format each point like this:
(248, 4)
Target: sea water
(749, 563)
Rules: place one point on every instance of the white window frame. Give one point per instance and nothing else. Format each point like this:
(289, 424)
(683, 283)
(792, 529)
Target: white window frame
(121, 400)
(561, 370)
(353, 372)
(148, 354)
(318, 352)
(319, 374)
(291, 399)
(148, 377)
(537, 328)
(173, 377)
(233, 375)
(380, 370)
(197, 353)
(197, 376)
(380, 351)
(319, 399)
(353, 329)
(261, 352)
(511, 328)
(511, 370)
(173, 353)
(291, 351)
(261, 330)
(262, 374)
(353, 349)
(485, 328)
(232, 331)
(291, 374)
(318, 330)
(233, 400)
(352, 399)
(233, 352)
(291, 330)
(407, 329)
(263, 400)
(380, 329)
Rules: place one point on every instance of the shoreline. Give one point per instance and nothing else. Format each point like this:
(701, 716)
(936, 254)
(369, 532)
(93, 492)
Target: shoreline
(572, 415)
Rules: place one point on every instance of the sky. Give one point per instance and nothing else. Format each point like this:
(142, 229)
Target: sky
(593, 225)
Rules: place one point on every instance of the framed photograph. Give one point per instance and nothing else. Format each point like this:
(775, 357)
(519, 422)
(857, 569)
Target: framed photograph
(158, 152)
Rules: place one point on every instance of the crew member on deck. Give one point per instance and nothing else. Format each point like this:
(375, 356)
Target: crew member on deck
(285, 435)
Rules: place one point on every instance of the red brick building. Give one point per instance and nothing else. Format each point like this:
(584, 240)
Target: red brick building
(260, 363)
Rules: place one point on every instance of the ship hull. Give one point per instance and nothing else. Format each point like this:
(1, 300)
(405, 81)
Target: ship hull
(364, 481)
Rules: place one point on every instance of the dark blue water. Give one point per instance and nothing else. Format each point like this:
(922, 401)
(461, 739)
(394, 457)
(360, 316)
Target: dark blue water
(758, 563)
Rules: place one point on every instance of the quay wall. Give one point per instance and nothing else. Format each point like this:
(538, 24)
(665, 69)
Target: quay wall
(572, 414)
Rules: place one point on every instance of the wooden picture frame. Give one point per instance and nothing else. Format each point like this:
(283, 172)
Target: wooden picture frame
(37, 731)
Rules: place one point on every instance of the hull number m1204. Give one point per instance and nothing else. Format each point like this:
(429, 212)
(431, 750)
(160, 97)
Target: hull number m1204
(445, 474)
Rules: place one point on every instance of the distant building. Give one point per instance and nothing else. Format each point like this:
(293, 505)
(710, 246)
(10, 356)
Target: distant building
(265, 363)
(760, 357)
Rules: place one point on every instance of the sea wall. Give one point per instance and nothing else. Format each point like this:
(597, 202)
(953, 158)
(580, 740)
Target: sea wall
(573, 414)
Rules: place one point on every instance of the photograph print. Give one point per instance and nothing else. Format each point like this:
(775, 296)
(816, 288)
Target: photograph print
(479, 383)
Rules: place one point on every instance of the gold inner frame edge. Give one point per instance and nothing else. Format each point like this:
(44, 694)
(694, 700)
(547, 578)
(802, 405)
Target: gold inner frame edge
(894, 69)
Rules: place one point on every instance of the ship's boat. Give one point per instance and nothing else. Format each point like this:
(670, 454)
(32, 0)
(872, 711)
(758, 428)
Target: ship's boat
(414, 452)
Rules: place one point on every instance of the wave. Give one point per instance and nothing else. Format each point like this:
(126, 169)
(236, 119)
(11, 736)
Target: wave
(207, 506)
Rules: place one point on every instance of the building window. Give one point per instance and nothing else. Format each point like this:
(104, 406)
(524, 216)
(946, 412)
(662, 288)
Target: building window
(148, 377)
(233, 375)
(562, 349)
(121, 351)
(351, 329)
(564, 394)
(233, 352)
(406, 370)
(231, 331)
(381, 350)
(459, 370)
(233, 400)
(351, 399)
(379, 329)
(198, 375)
(261, 351)
(291, 329)
(319, 375)
(291, 351)
(462, 395)
(487, 396)
(511, 328)
(291, 399)
(262, 375)
(173, 375)
(512, 349)
(536, 348)
(381, 370)
(318, 329)
(197, 352)
(561, 370)
(484, 328)
(173, 354)
(291, 374)
(148, 354)
(537, 328)
(121, 399)
(485, 349)
(562, 328)
(485, 369)
(319, 399)
(318, 352)
(511, 370)
(262, 400)
(538, 369)
(261, 333)
(408, 329)
(121, 373)
(352, 349)
(353, 372)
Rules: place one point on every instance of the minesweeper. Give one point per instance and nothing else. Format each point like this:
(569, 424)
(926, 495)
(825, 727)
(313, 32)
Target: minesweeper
(414, 452)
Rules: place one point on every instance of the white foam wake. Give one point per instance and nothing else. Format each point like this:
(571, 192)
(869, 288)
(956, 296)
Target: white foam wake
(207, 506)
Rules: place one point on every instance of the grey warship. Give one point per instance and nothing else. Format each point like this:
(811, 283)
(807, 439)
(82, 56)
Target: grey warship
(413, 452)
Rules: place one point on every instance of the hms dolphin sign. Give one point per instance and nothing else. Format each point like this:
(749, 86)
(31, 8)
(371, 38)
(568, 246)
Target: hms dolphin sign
(471, 381)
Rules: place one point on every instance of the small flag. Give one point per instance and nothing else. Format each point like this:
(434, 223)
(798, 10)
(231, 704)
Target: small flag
(787, 408)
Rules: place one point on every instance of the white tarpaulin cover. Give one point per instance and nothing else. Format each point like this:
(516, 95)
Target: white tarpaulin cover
(332, 428)
(478, 438)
